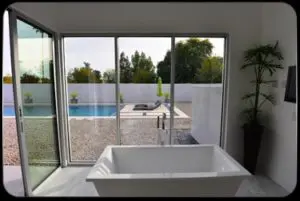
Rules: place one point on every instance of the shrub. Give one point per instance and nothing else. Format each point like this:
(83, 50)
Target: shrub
(74, 95)
(159, 92)
(28, 95)
(167, 95)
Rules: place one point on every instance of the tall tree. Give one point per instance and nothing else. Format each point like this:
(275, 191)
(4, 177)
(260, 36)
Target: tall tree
(86, 64)
(211, 70)
(29, 78)
(164, 68)
(142, 66)
(84, 74)
(7, 79)
(109, 76)
(143, 76)
(140, 61)
(98, 76)
(189, 57)
(126, 71)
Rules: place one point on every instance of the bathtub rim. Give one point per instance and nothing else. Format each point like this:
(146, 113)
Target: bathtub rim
(94, 176)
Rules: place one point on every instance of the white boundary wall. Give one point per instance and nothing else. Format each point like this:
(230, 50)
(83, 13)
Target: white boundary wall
(206, 113)
(105, 93)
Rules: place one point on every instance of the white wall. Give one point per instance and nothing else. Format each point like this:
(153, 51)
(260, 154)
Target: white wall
(8, 96)
(105, 93)
(40, 92)
(93, 93)
(242, 21)
(278, 156)
(206, 113)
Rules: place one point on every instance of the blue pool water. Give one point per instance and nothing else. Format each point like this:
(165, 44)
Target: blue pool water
(74, 110)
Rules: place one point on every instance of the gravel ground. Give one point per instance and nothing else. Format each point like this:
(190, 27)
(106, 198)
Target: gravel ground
(88, 137)
(40, 141)
(10, 142)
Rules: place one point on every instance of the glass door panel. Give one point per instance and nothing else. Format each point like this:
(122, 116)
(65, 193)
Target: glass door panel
(38, 110)
(90, 67)
(198, 90)
(144, 66)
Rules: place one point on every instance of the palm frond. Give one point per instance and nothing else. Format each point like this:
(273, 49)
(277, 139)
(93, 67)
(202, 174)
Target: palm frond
(263, 51)
(246, 96)
(275, 53)
(251, 53)
(269, 97)
(263, 81)
(270, 67)
(248, 64)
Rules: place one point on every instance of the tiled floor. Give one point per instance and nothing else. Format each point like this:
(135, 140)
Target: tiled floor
(71, 182)
(13, 177)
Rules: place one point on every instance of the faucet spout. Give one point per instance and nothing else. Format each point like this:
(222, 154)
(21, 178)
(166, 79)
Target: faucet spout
(164, 117)
(162, 132)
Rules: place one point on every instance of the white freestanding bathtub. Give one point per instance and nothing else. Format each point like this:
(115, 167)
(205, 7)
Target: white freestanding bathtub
(168, 170)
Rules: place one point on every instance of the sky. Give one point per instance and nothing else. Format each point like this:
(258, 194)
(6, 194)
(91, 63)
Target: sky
(98, 51)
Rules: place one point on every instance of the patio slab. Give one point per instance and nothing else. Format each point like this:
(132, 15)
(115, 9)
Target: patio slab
(127, 111)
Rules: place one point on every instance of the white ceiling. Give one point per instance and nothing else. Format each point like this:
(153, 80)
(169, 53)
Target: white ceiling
(138, 17)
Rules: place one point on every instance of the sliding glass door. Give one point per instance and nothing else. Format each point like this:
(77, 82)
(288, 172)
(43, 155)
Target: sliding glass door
(35, 105)
(119, 86)
(91, 97)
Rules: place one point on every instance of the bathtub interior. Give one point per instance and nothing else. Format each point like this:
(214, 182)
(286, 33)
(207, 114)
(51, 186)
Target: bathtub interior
(138, 160)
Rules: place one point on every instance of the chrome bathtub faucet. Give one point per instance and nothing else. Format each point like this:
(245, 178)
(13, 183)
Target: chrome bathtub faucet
(161, 131)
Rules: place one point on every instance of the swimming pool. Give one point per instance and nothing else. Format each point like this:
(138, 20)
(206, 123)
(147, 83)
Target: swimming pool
(74, 110)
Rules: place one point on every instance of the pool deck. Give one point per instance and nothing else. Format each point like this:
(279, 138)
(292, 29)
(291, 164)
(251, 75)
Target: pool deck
(128, 112)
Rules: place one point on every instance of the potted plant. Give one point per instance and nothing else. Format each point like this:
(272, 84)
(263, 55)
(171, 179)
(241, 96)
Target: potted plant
(74, 97)
(28, 98)
(121, 98)
(167, 97)
(261, 60)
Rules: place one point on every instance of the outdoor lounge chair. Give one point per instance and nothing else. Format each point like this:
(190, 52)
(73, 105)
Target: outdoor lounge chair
(147, 106)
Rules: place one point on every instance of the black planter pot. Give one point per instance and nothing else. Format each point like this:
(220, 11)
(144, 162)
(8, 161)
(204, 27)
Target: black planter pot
(252, 139)
(74, 100)
(28, 100)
